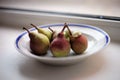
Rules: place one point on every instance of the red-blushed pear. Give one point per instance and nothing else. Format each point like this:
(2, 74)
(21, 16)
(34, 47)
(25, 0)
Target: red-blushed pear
(60, 46)
(79, 44)
(39, 43)
(78, 41)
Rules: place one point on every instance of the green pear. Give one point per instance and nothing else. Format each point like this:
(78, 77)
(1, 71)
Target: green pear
(39, 43)
(46, 32)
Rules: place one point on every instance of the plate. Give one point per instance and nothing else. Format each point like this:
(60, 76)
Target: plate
(98, 39)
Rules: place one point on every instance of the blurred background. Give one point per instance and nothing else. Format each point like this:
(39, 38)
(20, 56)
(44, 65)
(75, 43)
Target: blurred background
(94, 7)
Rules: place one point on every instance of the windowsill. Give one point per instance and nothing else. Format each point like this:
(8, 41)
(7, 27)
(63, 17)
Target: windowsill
(24, 18)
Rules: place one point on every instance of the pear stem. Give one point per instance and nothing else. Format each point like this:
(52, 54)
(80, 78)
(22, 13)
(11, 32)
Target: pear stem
(68, 29)
(26, 29)
(53, 32)
(34, 26)
(63, 28)
(50, 29)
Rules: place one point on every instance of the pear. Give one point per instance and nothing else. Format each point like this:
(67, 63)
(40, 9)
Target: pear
(44, 31)
(60, 46)
(78, 41)
(39, 43)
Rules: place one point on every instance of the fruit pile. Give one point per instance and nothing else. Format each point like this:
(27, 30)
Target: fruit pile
(59, 43)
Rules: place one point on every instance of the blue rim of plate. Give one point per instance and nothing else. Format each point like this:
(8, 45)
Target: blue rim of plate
(107, 38)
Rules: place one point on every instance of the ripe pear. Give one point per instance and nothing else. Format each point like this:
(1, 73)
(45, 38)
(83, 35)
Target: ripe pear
(39, 43)
(60, 46)
(44, 31)
(78, 41)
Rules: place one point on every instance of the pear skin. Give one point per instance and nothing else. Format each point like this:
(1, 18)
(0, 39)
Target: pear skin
(39, 43)
(60, 46)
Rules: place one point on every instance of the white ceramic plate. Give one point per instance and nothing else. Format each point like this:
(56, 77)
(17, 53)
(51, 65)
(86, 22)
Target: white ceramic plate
(97, 40)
